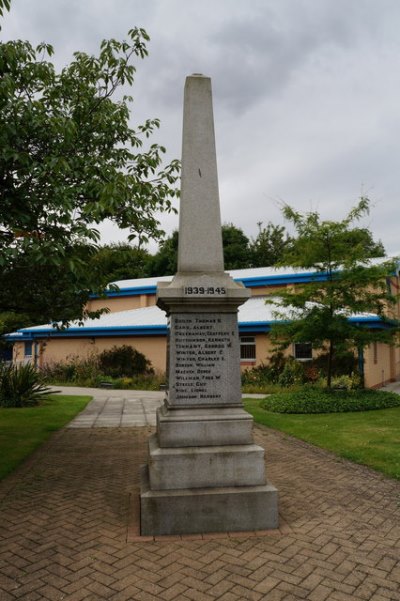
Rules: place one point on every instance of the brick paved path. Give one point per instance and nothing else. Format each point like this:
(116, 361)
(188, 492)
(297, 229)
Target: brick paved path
(68, 520)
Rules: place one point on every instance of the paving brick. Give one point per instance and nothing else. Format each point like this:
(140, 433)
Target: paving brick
(320, 593)
(245, 593)
(67, 520)
(172, 592)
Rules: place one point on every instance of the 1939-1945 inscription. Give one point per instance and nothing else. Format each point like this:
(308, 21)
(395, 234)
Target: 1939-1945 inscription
(208, 290)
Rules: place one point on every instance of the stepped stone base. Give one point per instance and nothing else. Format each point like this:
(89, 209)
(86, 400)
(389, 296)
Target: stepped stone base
(203, 427)
(203, 467)
(230, 509)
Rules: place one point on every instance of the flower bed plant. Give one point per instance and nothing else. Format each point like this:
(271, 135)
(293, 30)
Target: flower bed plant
(320, 400)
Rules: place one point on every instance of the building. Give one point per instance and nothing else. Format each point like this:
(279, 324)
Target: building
(134, 319)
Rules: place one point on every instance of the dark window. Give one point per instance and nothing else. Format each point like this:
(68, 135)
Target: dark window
(28, 349)
(247, 348)
(303, 351)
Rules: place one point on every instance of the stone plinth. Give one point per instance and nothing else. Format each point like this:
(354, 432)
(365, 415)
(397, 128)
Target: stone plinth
(201, 467)
(205, 474)
(230, 509)
(203, 427)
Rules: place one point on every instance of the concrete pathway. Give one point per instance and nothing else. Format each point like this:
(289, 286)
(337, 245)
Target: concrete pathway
(118, 408)
(115, 408)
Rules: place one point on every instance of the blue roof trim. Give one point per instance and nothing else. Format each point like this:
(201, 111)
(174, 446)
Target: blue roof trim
(274, 280)
(27, 334)
(248, 282)
(374, 322)
(161, 330)
(128, 292)
(255, 326)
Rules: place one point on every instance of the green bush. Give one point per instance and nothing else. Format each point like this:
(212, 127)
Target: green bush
(21, 386)
(109, 367)
(292, 373)
(262, 374)
(148, 381)
(320, 400)
(75, 370)
(123, 361)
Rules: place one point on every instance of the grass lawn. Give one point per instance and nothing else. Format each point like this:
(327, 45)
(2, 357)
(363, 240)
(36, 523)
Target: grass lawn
(371, 438)
(23, 430)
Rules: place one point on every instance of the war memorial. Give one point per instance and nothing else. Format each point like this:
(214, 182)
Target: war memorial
(204, 472)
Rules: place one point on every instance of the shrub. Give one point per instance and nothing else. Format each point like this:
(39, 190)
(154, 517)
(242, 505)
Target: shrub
(124, 361)
(257, 376)
(319, 400)
(21, 386)
(141, 382)
(292, 373)
(74, 370)
(344, 364)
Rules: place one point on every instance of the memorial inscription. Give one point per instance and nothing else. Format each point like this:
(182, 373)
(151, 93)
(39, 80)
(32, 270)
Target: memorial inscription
(203, 343)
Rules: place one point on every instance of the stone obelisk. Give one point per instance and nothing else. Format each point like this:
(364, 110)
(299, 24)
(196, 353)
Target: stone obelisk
(205, 474)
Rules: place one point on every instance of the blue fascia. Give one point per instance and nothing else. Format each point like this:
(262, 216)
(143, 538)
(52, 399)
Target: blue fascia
(373, 322)
(161, 330)
(284, 279)
(249, 282)
(128, 292)
(260, 327)
(101, 332)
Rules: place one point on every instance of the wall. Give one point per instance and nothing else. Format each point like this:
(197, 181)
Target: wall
(62, 349)
(123, 303)
(379, 365)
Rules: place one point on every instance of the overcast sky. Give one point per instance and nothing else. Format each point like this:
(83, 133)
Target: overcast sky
(306, 94)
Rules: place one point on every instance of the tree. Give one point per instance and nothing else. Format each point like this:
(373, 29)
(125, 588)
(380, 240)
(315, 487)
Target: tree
(352, 284)
(68, 160)
(122, 261)
(236, 247)
(271, 242)
(165, 261)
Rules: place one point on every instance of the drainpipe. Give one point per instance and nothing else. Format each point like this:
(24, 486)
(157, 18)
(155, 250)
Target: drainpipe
(361, 364)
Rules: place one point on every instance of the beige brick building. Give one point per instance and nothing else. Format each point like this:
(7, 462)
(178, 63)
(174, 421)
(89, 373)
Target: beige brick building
(134, 319)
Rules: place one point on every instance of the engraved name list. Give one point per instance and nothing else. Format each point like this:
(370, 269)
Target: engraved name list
(203, 343)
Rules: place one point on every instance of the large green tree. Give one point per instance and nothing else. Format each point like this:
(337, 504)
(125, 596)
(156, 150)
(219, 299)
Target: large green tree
(165, 260)
(235, 246)
(69, 159)
(270, 244)
(121, 261)
(351, 284)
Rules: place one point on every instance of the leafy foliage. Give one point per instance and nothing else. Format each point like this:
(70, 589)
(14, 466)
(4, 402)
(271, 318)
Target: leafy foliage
(113, 368)
(269, 246)
(352, 284)
(283, 371)
(123, 361)
(68, 160)
(21, 386)
(83, 371)
(236, 247)
(165, 261)
(121, 261)
(317, 400)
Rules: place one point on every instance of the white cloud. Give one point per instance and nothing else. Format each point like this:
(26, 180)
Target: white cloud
(306, 93)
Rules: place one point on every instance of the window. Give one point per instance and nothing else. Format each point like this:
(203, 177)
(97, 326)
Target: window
(247, 348)
(375, 348)
(302, 351)
(28, 349)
